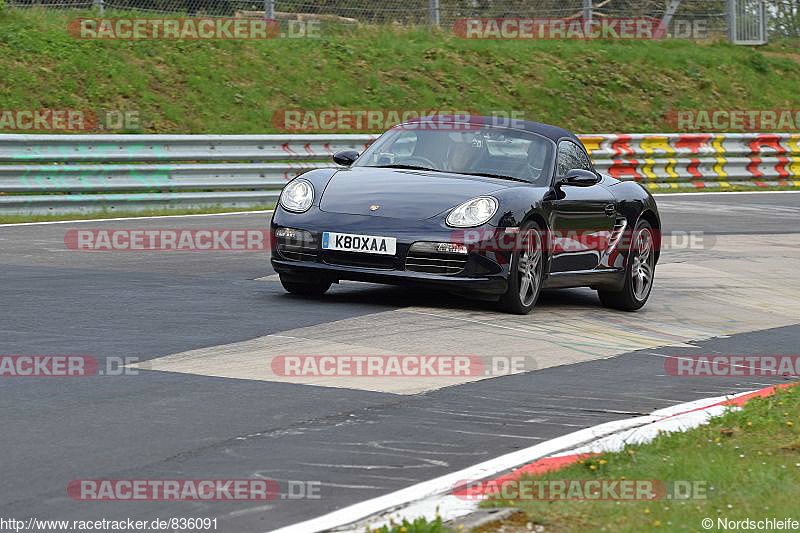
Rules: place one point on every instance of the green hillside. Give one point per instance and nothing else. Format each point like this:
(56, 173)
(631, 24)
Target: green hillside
(235, 86)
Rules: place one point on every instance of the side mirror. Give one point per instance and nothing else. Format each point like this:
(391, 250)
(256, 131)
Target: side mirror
(345, 158)
(579, 178)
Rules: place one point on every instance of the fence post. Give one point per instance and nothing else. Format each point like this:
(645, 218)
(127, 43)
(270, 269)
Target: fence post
(434, 12)
(587, 9)
(269, 9)
(731, 4)
(100, 5)
(671, 10)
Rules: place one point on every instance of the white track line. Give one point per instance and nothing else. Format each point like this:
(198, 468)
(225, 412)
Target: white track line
(492, 467)
(135, 218)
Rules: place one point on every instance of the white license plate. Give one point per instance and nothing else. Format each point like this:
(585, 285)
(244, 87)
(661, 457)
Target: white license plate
(368, 244)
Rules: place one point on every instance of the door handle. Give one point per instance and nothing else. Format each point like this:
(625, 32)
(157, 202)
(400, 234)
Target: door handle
(610, 210)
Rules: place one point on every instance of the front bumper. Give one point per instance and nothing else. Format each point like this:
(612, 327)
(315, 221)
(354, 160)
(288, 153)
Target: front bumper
(483, 272)
(305, 269)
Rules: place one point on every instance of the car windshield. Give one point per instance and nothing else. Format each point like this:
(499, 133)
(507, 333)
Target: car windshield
(498, 152)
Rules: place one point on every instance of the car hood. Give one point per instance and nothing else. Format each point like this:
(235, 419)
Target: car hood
(400, 193)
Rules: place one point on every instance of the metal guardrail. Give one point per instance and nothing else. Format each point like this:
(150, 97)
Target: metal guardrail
(81, 173)
(700, 160)
(141, 148)
(42, 174)
(116, 178)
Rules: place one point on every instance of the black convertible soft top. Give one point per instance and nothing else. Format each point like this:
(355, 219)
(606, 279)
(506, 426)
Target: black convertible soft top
(553, 133)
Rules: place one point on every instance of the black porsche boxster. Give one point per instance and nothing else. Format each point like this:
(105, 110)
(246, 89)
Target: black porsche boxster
(474, 205)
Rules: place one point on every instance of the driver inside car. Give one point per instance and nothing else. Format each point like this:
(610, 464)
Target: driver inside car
(463, 152)
(535, 163)
(428, 151)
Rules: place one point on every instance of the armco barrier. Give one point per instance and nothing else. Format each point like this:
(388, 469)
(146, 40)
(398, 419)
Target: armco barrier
(717, 160)
(42, 174)
(78, 173)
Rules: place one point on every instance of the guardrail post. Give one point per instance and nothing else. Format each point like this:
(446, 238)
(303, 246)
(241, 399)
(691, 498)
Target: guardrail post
(269, 9)
(99, 5)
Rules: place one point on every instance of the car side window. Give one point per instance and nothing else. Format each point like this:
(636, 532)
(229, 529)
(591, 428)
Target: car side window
(571, 156)
(586, 163)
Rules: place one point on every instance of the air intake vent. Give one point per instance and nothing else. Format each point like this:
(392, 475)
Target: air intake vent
(353, 259)
(616, 234)
(436, 258)
(611, 257)
(296, 245)
(297, 254)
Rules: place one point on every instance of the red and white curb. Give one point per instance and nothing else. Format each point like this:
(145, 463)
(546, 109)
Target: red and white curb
(429, 498)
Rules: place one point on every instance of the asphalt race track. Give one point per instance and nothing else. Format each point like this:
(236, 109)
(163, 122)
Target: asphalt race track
(201, 329)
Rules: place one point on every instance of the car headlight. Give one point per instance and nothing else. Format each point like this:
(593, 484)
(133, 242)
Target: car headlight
(297, 196)
(473, 213)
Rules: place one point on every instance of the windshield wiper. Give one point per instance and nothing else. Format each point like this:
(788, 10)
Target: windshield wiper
(408, 167)
(498, 176)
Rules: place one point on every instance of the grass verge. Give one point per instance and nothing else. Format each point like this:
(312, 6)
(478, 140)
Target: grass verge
(748, 461)
(420, 525)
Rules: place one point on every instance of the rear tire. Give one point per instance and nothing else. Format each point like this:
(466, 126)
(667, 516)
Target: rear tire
(639, 273)
(305, 288)
(526, 273)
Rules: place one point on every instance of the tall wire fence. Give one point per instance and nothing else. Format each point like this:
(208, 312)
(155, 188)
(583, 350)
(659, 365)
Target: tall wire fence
(783, 15)
(784, 18)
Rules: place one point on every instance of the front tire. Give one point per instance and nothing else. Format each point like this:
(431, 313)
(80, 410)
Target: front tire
(305, 288)
(638, 275)
(526, 272)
